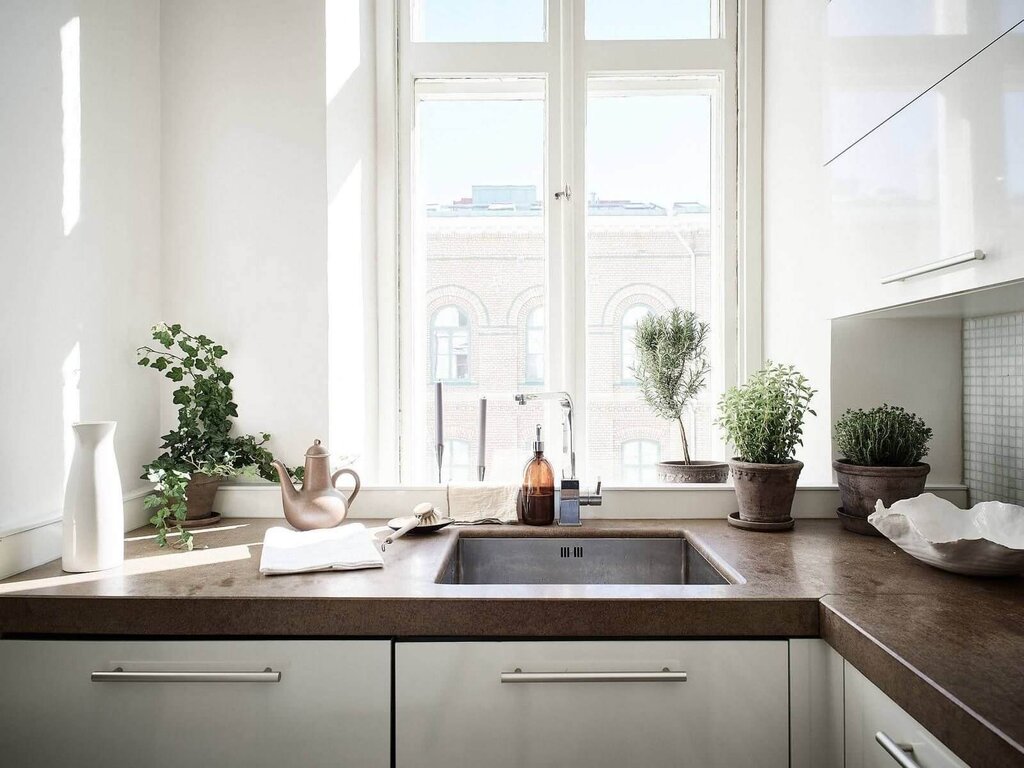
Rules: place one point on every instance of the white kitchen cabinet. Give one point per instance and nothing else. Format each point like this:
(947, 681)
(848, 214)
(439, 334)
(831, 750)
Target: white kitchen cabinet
(330, 707)
(869, 712)
(881, 55)
(943, 177)
(456, 704)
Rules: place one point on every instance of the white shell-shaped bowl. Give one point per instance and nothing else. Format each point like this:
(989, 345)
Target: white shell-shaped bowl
(987, 540)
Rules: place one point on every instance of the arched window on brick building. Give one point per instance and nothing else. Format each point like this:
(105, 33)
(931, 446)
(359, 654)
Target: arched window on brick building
(627, 352)
(449, 344)
(533, 346)
(638, 461)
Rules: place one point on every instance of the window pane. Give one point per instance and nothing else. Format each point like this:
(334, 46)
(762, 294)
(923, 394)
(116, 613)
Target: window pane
(478, 269)
(650, 19)
(650, 247)
(478, 21)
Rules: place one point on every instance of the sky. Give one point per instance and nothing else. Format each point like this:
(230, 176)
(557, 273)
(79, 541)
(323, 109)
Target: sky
(643, 148)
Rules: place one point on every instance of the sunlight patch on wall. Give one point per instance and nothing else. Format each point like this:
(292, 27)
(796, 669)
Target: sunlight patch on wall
(71, 133)
(343, 28)
(347, 317)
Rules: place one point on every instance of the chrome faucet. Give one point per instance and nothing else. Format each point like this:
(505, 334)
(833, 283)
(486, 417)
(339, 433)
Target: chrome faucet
(569, 497)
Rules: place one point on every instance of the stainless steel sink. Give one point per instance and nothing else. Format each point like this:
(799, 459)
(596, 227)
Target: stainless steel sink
(582, 560)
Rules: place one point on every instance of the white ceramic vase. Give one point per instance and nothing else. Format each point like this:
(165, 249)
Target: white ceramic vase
(93, 504)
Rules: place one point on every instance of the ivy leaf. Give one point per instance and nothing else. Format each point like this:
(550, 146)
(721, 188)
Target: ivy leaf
(160, 363)
(176, 374)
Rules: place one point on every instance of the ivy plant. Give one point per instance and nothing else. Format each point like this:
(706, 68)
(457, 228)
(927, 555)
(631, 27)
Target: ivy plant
(886, 436)
(671, 364)
(202, 442)
(763, 419)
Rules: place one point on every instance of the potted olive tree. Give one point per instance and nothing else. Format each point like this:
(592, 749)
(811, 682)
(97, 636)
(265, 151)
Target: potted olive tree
(201, 451)
(671, 367)
(882, 450)
(763, 420)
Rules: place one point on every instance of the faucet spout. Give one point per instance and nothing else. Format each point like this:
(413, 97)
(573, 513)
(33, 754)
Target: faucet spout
(565, 400)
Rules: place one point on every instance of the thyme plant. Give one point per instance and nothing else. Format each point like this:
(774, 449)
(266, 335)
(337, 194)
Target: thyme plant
(202, 441)
(886, 436)
(671, 364)
(763, 419)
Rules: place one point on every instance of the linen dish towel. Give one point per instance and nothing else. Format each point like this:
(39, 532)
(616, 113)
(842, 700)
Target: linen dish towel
(345, 548)
(479, 503)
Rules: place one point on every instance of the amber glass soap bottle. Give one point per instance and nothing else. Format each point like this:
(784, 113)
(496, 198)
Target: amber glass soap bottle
(537, 496)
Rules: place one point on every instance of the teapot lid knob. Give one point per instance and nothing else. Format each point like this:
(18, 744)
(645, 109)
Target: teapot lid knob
(317, 449)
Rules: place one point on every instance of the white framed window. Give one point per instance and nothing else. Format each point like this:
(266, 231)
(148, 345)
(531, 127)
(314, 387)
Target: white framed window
(533, 347)
(457, 460)
(627, 349)
(450, 340)
(582, 151)
(639, 459)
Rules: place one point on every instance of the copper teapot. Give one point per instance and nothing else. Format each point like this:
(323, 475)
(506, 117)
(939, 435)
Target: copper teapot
(319, 504)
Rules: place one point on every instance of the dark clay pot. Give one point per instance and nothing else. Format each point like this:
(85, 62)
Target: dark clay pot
(765, 491)
(861, 487)
(694, 472)
(200, 492)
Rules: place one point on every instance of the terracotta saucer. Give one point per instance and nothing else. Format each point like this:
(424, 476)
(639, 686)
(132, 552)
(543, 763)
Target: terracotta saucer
(750, 525)
(200, 522)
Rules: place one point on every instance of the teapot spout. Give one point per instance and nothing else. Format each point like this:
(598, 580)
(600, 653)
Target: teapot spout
(287, 487)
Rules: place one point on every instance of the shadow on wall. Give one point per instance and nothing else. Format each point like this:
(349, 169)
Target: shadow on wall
(80, 218)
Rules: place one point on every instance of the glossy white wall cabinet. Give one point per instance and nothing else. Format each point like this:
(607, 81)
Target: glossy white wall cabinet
(868, 712)
(880, 55)
(330, 707)
(453, 710)
(943, 177)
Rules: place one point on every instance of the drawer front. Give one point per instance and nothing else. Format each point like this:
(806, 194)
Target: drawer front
(943, 178)
(452, 707)
(869, 712)
(199, 703)
(881, 55)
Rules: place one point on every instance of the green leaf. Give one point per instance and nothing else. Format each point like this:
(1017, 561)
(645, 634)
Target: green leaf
(160, 363)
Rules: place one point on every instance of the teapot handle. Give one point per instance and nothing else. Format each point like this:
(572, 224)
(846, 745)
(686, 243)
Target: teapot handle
(346, 471)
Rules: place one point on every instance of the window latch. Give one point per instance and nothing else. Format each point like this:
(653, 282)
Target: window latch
(564, 193)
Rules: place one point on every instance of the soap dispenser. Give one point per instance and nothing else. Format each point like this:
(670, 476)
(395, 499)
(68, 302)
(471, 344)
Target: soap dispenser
(537, 496)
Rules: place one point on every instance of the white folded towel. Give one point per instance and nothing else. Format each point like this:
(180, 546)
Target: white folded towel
(346, 548)
(478, 503)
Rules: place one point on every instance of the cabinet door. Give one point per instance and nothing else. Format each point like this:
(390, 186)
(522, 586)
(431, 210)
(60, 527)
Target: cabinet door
(868, 712)
(452, 707)
(942, 178)
(330, 707)
(881, 55)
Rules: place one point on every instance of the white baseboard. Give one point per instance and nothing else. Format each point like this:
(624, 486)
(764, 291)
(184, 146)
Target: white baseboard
(658, 502)
(32, 546)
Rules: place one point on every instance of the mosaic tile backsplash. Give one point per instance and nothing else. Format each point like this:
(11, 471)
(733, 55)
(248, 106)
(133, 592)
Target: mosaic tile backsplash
(994, 408)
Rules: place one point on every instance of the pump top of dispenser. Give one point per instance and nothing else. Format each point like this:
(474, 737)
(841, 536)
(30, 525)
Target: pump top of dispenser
(538, 444)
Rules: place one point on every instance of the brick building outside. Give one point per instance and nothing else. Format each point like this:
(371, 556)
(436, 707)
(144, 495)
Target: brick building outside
(485, 269)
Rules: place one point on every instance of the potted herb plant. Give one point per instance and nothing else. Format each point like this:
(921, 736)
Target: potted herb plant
(763, 420)
(882, 450)
(671, 367)
(201, 451)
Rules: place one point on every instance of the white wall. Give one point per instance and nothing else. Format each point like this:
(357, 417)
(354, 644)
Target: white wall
(914, 363)
(79, 249)
(796, 309)
(244, 192)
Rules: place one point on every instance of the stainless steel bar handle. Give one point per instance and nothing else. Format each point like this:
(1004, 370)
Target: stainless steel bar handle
(118, 675)
(903, 754)
(934, 266)
(665, 676)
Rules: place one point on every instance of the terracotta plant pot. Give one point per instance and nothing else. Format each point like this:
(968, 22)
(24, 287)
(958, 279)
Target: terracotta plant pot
(694, 472)
(860, 487)
(200, 492)
(765, 491)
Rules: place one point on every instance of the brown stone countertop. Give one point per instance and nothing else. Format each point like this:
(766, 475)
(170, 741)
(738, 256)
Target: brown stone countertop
(948, 649)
